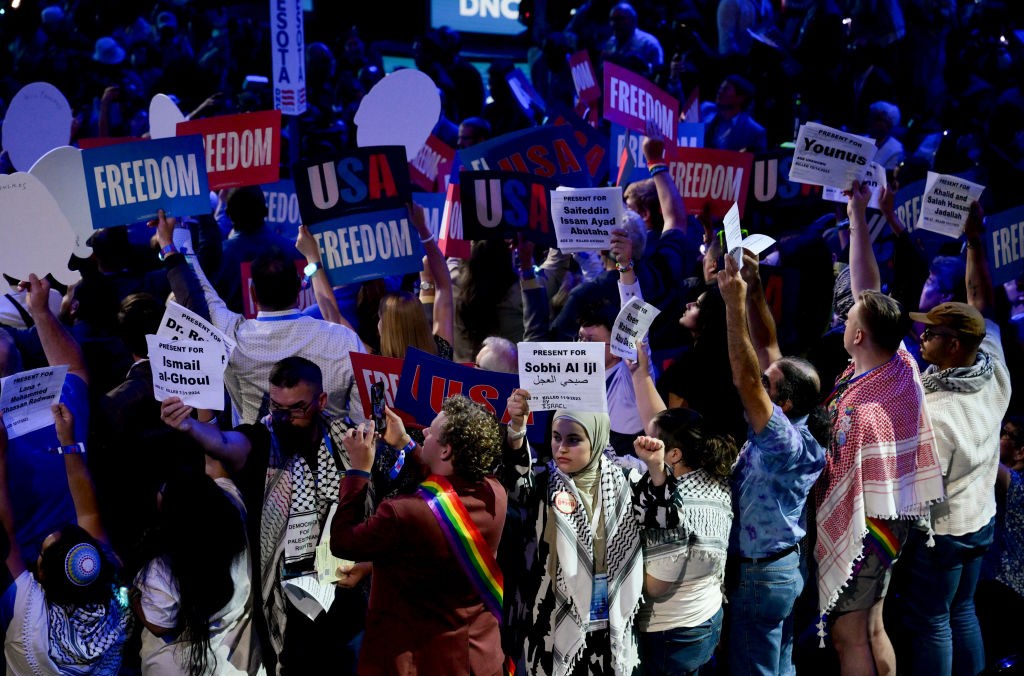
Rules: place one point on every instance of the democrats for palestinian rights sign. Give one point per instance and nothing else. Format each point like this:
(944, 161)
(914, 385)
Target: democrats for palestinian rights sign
(369, 245)
(130, 182)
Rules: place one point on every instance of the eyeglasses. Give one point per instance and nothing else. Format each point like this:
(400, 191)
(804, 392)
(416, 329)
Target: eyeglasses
(290, 412)
(930, 333)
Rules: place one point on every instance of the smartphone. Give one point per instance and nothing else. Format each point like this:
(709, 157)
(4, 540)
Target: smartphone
(377, 405)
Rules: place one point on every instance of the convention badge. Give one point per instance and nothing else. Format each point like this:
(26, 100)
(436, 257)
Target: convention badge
(565, 502)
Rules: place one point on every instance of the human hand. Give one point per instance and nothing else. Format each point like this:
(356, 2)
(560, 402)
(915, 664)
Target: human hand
(394, 432)
(110, 94)
(730, 284)
(38, 296)
(419, 219)
(640, 367)
(164, 225)
(524, 252)
(887, 200)
(307, 246)
(650, 450)
(64, 422)
(859, 195)
(653, 144)
(621, 247)
(974, 229)
(518, 408)
(176, 414)
(351, 574)
(361, 445)
(749, 271)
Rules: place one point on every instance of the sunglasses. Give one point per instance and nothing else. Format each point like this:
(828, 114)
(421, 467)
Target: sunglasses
(930, 333)
(292, 412)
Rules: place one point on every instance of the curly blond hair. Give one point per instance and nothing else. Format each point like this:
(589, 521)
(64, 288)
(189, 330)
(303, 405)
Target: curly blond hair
(474, 436)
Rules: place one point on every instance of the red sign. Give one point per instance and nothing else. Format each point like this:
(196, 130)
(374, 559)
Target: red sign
(104, 141)
(431, 164)
(450, 241)
(631, 100)
(373, 368)
(240, 149)
(306, 297)
(716, 177)
(584, 78)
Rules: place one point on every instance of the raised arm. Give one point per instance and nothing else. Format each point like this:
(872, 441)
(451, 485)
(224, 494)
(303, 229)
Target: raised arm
(759, 318)
(746, 372)
(325, 299)
(980, 291)
(229, 448)
(83, 492)
(672, 208)
(648, 402)
(15, 565)
(864, 273)
(441, 295)
(58, 345)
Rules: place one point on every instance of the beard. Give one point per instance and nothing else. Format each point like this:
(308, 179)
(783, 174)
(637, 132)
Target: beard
(295, 440)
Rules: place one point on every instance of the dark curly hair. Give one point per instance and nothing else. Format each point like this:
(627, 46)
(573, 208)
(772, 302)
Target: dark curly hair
(474, 435)
(683, 428)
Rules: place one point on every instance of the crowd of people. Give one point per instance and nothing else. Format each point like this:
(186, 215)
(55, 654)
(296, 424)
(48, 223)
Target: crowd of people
(828, 482)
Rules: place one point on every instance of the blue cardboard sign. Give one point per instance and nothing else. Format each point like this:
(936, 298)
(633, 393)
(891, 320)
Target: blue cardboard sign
(1004, 245)
(130, 182)
(433, 209)
(426, 381)
(283, 208)
(368, 245)
(548, 152)
(690, 135)
(504, 204)
(624, 140)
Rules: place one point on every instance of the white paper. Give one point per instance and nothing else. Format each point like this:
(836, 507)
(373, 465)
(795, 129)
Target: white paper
(190, 369)
(182, 240)
(563, 375)
(829, 157)
(875, 179)
(585, 217)
(37, 121)
(946, 204)
(26, 398)
(35, 236)
(631, 324)
(308, 595)
(734, 233)
(755, 244)
(180, 323)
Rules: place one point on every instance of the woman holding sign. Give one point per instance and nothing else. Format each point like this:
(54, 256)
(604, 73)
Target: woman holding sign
(580, 587)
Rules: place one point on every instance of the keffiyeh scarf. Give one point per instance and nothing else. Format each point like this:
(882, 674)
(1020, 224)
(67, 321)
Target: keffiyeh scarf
(88, 640)
(966, 379)
(881, 463)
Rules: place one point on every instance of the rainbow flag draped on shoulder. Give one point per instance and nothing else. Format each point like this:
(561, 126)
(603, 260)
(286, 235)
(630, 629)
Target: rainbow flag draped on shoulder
(465, 540)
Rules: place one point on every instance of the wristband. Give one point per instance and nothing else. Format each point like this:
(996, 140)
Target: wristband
(624, 268)
(168, 250)
(527, 273)
(657, 169)
(512, 435)
(358, 473)
(73, 449)
(424, 240)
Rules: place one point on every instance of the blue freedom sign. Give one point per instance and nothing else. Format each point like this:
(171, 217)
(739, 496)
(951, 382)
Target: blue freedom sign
(130, 182)
(426, 381)
(282, 208)
(368, 245)
(1004, 245)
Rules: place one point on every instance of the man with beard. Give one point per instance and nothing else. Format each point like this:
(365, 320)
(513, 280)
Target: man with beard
(289, 467)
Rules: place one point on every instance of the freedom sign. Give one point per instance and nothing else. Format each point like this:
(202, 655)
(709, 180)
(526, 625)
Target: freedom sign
(705, 176)
(431, 164)
(130, 182)
(548, 152)
(368, 245)
(426, 381)
(241, 149)
(583, 78)
(504, 203)
(1004, 244)
(630, 100)
(375, 177)
(283, 208)
(374, 368)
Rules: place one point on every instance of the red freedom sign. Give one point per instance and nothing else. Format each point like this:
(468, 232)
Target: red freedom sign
(431, 164)
(711, 177)
(631, 100)
(242, 149)
(373, 368)
(583, 78)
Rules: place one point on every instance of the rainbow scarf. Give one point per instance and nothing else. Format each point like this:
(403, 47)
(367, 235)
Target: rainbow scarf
(465, 540)
(882, 540)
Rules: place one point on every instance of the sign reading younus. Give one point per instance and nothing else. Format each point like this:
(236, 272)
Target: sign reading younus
(829, 157)
(130, 182)
(180, 323)
(585, 217)
(190, 369)
(631, 324)
(26, 398)
(947, 203)
(563, 375)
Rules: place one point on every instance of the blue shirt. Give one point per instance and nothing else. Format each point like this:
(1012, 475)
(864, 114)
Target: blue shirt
(770, 484)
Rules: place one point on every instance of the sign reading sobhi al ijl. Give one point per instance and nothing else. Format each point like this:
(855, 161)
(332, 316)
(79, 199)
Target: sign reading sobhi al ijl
(130, 182)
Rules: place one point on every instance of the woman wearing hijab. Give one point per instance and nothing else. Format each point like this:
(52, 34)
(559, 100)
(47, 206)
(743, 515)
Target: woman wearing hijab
(577, 595)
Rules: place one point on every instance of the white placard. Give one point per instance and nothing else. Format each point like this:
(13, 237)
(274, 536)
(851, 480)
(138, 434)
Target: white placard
(180, 323)
(26, 398)
(585, 217)
(947, 203)
(288, 49)
(37, 121)
(563, 376)
(631, 324)
(62, 172)
(192, 370)
(400, 110)
(875, 179)
(829, 157)
(309, 595)
(734, 234)
(35, 236)
(164, 116)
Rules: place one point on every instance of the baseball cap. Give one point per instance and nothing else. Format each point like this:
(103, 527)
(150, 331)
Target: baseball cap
(960, 317)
